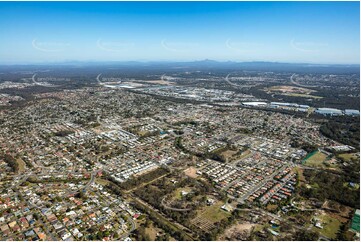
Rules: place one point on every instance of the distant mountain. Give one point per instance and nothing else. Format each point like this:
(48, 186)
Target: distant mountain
(202, 65)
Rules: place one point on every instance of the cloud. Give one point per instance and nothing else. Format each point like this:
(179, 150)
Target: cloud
(49, 46)
(309, 47)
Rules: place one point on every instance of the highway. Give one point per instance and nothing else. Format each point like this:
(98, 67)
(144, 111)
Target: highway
(298, 84)
(41, 84)
(106, 85)
(235, 85)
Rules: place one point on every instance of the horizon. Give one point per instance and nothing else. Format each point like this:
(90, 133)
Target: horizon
(84, 62)
(323, 33)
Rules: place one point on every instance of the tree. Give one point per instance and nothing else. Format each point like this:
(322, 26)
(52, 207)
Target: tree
(305, 235)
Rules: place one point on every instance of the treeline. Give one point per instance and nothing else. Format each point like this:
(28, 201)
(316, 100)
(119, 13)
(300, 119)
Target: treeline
(208, 155)
(114, 188)
(153, 194)
(191, 122)
(168, 229)
(33, 179)
(330, 186)
(14, 165)
(343, 129)
(63, 133)
(136, 181)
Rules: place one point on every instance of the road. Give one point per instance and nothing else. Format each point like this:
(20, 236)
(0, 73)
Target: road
(132, 223)
(298, 84)
(22, 178)
(174, 223)
(235, 85)
(174, 209)
(255, 188)
(41, 84)
(241, 177)
(106, 85)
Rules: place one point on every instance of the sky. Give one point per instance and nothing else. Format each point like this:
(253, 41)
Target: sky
(295, 32)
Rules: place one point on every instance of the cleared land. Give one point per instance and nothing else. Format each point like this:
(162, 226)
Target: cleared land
(161, 82)
(330, 226)
(101, 181)
(301, 95)
(191, 172)
(21, 165)
(290, 89)
(209, 215)
(293, 91)
(348, 156)
(237, 231)
(177, 193)
(152, 231)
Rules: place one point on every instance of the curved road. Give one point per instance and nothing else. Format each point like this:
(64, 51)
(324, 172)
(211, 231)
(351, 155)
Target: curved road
(44, 85)
(298, 84)
(106, 85)
(174, 209)
(236, 85)
(131, 221)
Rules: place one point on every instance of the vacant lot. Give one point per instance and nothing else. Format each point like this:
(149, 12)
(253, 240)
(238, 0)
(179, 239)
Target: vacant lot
(348, 156)
(228, 154)
(191, 172)
(21, 165)
(290, 89)
(302, 95)
(101, 181)
(330, 226)
(209, 215)
(237, 232)
(152, 231)
(161, 82)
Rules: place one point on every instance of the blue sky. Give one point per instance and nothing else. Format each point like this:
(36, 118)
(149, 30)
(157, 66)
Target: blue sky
(313, 32)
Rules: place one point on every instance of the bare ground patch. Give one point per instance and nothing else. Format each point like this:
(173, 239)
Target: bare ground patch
(191, 172)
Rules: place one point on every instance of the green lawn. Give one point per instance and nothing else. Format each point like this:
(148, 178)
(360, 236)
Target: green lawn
(302, 95)
(330, 226)
(101, 181)
(214, 213)
(177, 193)
(316, 160)
(356, 187)
(21, 165)
(348, 156)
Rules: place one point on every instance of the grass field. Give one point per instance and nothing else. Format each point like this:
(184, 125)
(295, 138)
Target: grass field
(101, 181)
(21, 165)
(348, 156)
(244, 154)
(228, 154)
(302, 95)
(151, 231)
(177, 193)
(330, 226)
(316, 160)
(299, 172)
(271, 207)
(214, 213)
(209, 215)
